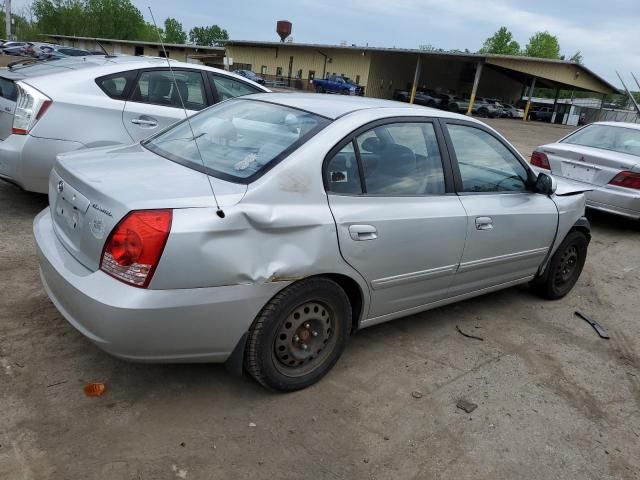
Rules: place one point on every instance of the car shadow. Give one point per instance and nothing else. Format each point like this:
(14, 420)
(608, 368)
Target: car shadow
(599, 219)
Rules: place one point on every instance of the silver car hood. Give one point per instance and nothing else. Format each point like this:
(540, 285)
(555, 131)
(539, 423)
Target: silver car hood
(90, 191)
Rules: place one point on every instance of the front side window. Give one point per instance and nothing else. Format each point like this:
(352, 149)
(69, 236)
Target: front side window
(231, 88)
(608, 137)
(397, 159)
(237, 140)
(486, 164)
(162, 87)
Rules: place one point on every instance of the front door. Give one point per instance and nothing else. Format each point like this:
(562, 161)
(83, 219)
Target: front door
(510, 228)
(157, 100)
(399, 223)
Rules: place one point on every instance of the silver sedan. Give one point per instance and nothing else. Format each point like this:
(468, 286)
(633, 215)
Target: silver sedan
(272, 227)
(603, 157)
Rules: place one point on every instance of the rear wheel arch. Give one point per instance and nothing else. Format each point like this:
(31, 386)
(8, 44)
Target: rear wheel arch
(355, 294)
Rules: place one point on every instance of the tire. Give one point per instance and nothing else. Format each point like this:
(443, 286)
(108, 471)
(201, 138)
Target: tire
(299, 335)
(319, 89)
(564, 268)
(483, 112)
(431, 104)
(453, 108)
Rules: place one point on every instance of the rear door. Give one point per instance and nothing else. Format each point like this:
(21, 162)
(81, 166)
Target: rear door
(154, 102)
(510, 227)
(399, 222)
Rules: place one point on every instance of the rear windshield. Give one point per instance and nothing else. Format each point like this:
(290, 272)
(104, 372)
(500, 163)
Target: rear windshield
(607, 137)
(237, 140)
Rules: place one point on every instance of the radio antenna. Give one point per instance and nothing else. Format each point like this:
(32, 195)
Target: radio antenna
(219, 211)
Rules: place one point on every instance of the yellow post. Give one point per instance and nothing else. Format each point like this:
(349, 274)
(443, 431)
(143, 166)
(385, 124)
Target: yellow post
(416, 79)
(528, 105)
(474, 90)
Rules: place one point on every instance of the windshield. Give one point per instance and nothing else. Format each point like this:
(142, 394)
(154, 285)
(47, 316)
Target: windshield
(607, 137)
(239, 139)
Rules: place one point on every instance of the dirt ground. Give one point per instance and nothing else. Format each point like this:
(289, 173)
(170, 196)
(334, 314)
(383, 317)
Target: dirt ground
(554, 400)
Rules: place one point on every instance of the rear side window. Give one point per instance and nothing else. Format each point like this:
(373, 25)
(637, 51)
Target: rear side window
(8, 89)
(396, 159)
(230, 87)
(117, 85)
(161, 87)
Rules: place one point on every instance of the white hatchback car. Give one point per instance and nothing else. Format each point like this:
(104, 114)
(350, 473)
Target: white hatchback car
(69, 104)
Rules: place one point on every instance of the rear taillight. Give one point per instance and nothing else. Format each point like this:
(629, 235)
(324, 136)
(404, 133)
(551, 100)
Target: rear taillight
(541, 160)
(134, 247)
(626, 179)
(31, 105)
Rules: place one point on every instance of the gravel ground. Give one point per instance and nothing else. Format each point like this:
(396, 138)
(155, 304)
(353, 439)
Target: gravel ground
(554, 400)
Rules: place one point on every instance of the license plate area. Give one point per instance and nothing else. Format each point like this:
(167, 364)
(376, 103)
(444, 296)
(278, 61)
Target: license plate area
(580, 173)
(70, 208)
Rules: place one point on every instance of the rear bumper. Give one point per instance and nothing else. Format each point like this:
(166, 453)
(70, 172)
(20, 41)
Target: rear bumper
(182, 325)
(26, 160)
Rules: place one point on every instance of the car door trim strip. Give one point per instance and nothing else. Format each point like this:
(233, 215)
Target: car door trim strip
(396, 280)
(491, 261)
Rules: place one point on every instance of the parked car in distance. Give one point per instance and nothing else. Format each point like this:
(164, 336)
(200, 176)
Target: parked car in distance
(44, 51)
(487, 107)
(81, 102)
(18, 48)
(511, 111)
(543, 114)
(250, 75)
(140, 256)
(603, 157)
(337, 84)
(427, 98)
(453, 103)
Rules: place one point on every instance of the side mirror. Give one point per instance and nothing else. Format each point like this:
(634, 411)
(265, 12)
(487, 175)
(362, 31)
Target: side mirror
(546, 184)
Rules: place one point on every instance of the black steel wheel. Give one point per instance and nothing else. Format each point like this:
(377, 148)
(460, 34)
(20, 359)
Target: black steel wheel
(564, 268)
(299, 335)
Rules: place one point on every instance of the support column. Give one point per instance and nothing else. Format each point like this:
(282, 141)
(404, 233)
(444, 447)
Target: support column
(528, 106)
(7, 18)
(416, 79)
(474, 90)
(555, 106)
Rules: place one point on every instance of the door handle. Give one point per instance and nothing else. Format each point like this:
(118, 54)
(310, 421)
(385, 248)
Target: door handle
(484, 223)
(363, 232)
(143, 122)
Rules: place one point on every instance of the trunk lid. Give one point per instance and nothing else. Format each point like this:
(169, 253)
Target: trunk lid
(92, 190)
(593, 166)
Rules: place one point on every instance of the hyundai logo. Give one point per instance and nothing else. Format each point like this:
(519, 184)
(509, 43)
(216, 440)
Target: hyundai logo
(60, 186)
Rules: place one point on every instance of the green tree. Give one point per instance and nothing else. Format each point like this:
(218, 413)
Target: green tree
(113, 19)
(173, 32)
(543, 45)
(501, 42)
(62, 17)
(576, 58)
(208, 35)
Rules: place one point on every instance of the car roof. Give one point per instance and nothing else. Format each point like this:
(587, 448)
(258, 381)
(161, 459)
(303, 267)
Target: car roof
(101, 65)
(635, 126)
(335, 106)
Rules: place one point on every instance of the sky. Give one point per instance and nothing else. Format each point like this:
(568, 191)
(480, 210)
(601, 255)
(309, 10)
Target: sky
(606, 32)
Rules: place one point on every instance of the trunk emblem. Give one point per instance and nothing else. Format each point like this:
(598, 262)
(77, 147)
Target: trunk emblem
(60, 186)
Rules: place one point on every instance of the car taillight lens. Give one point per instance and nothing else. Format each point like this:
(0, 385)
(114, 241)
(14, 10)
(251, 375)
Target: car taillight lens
(541, 160)
(626, 179)
(134, 247)
(31, 105)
